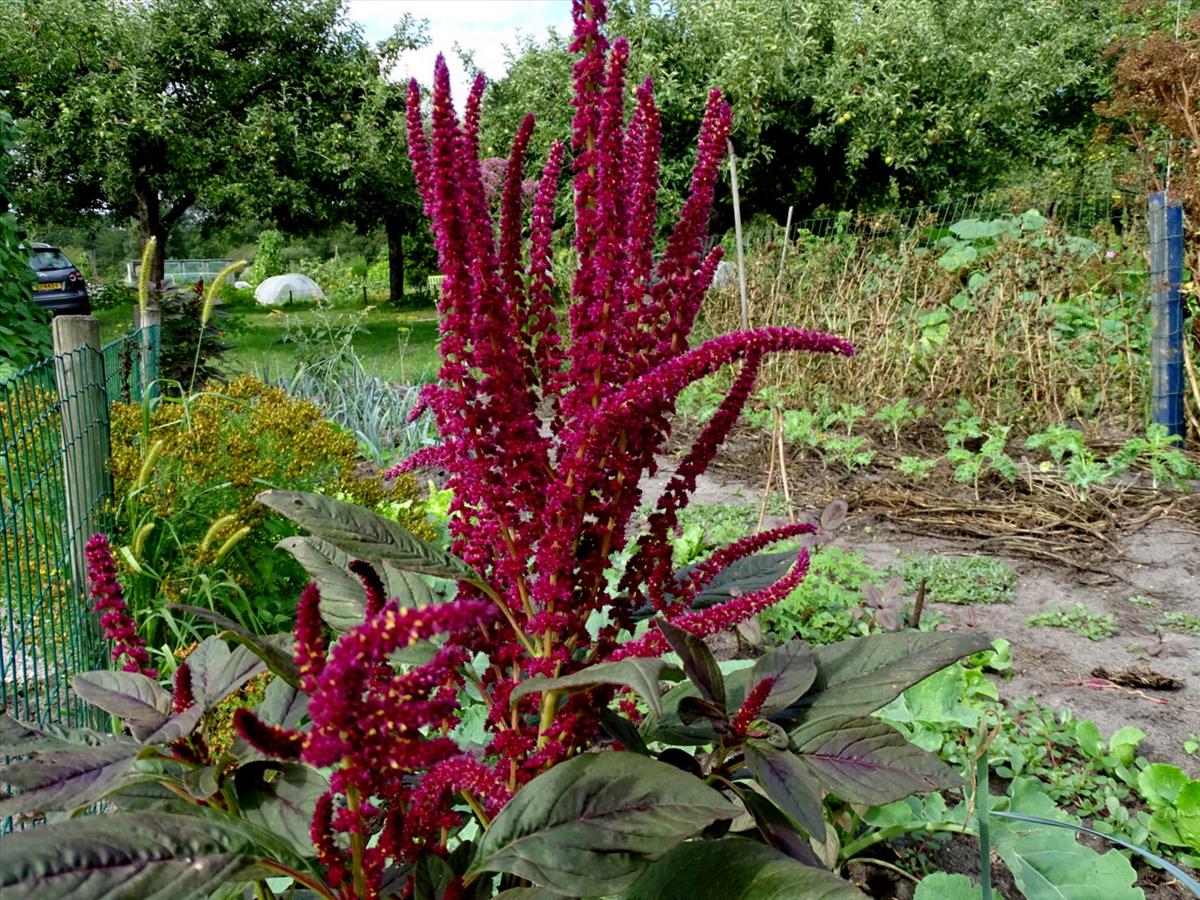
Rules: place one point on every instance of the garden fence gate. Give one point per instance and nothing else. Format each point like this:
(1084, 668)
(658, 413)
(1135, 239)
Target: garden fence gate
(55, 491)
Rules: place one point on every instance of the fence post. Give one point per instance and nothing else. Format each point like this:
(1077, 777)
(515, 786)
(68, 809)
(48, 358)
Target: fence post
(1166, 312)
(79, 373)
(148, 326)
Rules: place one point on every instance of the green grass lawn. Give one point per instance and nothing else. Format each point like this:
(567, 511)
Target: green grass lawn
(397, 345)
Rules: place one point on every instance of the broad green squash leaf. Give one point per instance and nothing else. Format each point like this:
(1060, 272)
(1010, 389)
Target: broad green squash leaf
(218, 671)
(737, 869)
(865, 760)
(19, 738)
(284, 805)
(275, 650)
(1049, 863)
(860, 675)
(1187, 814)
(943, 886)
(794, 669)
(590, 825)
(699, 664)
(789, 785)
(148, 856)
(341, 590)
(65, 779)
(366, 535)
(130, 696)
(640, 675)
(1159, 784)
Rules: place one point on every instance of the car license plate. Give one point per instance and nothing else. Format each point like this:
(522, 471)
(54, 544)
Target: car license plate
(49, 286)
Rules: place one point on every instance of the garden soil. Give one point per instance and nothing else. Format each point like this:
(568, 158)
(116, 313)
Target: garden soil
(1158, 561)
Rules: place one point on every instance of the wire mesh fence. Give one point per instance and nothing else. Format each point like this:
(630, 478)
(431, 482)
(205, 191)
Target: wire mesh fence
(55, 490)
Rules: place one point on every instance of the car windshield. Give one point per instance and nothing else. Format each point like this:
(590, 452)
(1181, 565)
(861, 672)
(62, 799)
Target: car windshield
(49, 259)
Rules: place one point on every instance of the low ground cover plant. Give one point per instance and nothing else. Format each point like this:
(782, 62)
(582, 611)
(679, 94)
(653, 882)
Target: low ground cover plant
(344, 780)
(1092, 625)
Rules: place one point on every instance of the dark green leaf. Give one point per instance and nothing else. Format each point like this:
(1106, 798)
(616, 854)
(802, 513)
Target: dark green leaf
(640, 675)
(218, 671)
(737, 869)
(147, 856)
(177, 727)
(789, 785)
(750, 573)
(864, 760)
(670, 728)
(623, 731)
(698, 662)
(590, 825)
(22, 738)
(283, 705)
(366, 535)
(794, 669)
(284, 804)
(201, 782)
(135, 699)
(859, 676)
(431, 876)
(696, 709)
(65, 779)
(341, 590)
(775, 828)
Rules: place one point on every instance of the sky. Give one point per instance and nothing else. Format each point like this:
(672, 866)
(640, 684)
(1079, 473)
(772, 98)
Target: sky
(481, 26)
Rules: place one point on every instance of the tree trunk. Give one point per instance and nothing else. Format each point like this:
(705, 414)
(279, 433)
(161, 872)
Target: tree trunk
(395, 245)
(150, 224)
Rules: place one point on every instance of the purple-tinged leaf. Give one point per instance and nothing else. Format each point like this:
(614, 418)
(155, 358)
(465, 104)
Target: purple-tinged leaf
(860, 675)
(697, 709)
(19, 738)
(202, 782)
(742, 576)
(737, 869)
(640, 675)
(177, 727)
(218, 671)
(698, 662)
(789, 785)
(283, 805)
(275, 650)
(624, 732)
(864, 760)
(834, 515)
(793, 668)
(589, 826)
(140, 702)
(776, 829)
(65, 779)
(150, 856)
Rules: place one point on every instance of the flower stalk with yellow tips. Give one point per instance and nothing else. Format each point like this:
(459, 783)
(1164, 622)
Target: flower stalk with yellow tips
(206, 311)
(144, 275)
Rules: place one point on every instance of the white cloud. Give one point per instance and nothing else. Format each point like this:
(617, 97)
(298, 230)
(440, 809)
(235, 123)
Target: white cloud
(484, 27)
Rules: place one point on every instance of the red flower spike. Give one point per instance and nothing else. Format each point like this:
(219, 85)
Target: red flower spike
(108, 599)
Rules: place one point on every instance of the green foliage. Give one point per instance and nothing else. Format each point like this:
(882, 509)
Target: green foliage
(1181, 622)
(823, 608)
(896, 415)
(1160, 453)
(268, 256)
(961, 580)
(915, 467)
(186, 474)
(970, 465)
(24, 326)
(1079, 619)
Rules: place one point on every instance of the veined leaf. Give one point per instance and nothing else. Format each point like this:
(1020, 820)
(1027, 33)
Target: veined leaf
(794, 668)
(284, 805)
(737, 869)
(147, 856)
(858, 676)
(789, 784)
(590, 825)
(137, 700)
(218, 671)
(698, 662)
(943, 886)
(341, 591)
(366, 535)
(21, 738)
(640, 675)
(274, 650)
(742, 576)
(865, 760)
(65, 779)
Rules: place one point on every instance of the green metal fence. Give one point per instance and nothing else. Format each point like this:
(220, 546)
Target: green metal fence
(55, 489)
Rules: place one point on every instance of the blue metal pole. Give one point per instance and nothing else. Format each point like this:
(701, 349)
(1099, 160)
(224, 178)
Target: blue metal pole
(1166, 312)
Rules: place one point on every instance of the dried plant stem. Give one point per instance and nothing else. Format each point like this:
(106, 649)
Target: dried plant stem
(762, 508)
(787, 491)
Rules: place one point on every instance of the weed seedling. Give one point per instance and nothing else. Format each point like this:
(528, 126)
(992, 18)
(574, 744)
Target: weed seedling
(896, 415)
(1079, 619)
(961, 580)
(915, 467)
(1181, 623)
